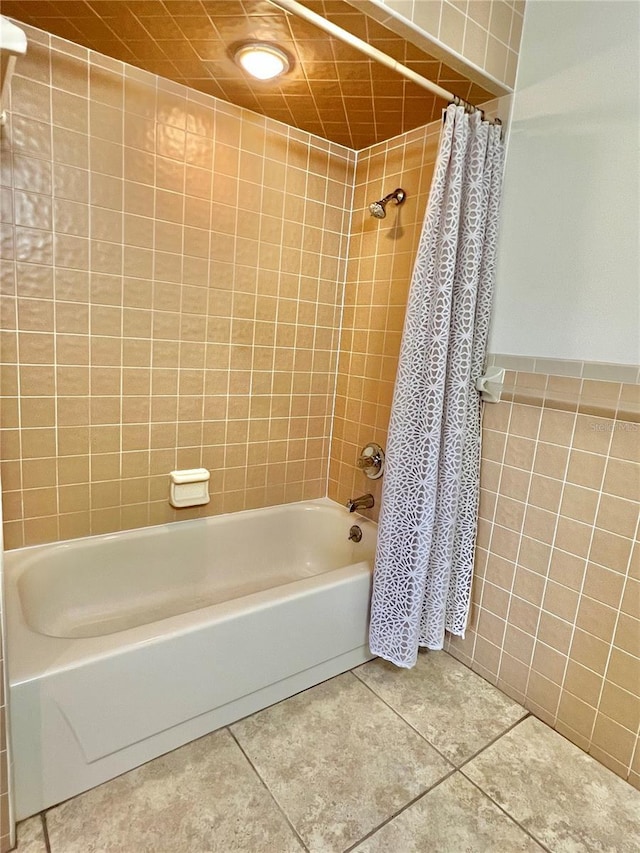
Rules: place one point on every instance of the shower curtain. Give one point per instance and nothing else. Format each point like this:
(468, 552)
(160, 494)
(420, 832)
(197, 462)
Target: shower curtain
(427, 528)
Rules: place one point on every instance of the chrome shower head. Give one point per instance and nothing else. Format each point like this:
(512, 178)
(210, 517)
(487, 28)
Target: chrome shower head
(378, 208)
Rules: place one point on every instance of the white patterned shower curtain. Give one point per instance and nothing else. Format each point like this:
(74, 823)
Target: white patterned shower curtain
(427, 528)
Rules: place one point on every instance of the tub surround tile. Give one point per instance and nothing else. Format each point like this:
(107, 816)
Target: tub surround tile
(30, 835)
(377, 281)
(338, 761)
(563, 797)
(201, 797)
(425, 695)
(453, 816)
(127, 367)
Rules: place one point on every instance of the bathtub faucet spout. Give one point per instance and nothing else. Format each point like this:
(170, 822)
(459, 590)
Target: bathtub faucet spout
(363, 502)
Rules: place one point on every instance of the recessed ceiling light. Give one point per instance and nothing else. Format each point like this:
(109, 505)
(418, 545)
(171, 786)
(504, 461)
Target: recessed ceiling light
(261, 60)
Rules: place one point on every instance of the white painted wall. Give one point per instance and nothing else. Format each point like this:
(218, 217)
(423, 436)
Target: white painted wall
(568, 283)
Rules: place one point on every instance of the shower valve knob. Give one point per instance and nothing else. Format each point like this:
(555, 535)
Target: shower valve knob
(371, 460)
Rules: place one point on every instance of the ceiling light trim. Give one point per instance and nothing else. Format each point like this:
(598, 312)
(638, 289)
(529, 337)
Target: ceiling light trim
(262, 60)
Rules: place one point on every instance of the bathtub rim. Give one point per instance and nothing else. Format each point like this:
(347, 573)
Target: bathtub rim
(30, 654)
(149, 529)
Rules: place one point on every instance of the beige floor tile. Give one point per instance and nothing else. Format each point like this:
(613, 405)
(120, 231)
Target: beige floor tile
(562, 796)
(31, 836)
(338, 761)
(453, 817)
(201, 798)
(456, 710)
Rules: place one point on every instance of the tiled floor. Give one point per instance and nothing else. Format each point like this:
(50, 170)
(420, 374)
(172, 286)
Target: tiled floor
(377, 760)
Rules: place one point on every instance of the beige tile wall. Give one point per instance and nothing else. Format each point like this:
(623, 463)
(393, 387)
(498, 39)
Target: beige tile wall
(381, 257)
(155, 344)
(556, 612)
(557, 587)
(486, 33)
(172, 282)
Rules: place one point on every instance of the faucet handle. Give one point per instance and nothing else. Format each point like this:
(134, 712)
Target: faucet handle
(371, 460)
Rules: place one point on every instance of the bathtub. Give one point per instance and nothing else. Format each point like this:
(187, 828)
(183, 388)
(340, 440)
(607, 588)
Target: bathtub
(123, 647)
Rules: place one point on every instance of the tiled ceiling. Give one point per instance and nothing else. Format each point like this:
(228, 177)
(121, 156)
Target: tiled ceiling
(332, 90)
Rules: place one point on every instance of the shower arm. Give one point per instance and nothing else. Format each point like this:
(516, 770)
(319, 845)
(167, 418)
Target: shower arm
(301, 11)
(398, 196)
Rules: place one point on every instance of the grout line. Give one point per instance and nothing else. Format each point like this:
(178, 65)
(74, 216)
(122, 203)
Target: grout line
(446, 758)
(91, 338)
(606, 455)
(399, 811)
(636, 751)
(605, 669)
(338, 343)
(455, 769)
(286, 698)
(475, 612)
(510, 728)
(406, 722)
(551, 544)
(508, 815)
(266, 787)
(486, 794)
(120, 306)
(45, 831)
(54, 232)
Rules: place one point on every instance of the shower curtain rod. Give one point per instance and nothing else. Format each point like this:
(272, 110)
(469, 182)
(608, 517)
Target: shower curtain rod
(372, 52)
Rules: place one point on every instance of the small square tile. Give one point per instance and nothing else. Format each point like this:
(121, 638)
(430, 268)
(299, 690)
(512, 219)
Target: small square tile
(564, 798)
(425, 695)
(338, 761)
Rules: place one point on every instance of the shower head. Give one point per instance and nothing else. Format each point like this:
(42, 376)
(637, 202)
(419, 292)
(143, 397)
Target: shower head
(378, 208)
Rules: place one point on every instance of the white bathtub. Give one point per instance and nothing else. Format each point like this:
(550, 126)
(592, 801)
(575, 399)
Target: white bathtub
(123, 647)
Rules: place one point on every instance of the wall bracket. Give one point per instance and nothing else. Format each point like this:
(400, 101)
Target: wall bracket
(490, 384)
